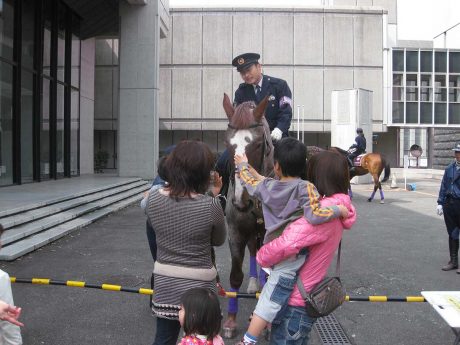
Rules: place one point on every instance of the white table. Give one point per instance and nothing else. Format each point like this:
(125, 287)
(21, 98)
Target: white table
(447, 304)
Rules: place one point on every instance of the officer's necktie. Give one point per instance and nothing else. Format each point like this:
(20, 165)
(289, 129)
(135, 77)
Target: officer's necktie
(258, 93)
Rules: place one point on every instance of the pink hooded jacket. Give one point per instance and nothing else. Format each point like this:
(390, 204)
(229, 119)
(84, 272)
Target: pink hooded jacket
(321, 240)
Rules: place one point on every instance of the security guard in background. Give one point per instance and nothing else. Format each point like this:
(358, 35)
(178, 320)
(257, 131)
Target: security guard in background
(449, 205)
(357, 148)
(257, 85)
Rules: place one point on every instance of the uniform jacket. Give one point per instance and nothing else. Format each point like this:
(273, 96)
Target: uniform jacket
(360, 144)
(282, 200)
(321, 241)
(450, 184)
(279, 108)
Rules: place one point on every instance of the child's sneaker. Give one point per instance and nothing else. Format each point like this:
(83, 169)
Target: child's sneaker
(247, 340)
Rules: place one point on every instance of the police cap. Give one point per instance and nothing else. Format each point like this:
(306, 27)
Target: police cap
(243, 61)
(456, 147)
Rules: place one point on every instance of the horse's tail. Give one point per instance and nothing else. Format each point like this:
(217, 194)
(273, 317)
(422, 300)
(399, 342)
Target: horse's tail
(387, 169)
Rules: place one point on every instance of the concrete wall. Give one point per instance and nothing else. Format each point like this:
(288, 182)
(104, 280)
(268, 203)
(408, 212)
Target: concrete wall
(444, 141)
(140, 31)
(316, 50)
(88, 49)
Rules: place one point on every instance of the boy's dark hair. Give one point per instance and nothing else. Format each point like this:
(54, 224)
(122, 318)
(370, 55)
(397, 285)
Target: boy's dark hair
(161, 168)
(328, 171)
(202, 312)
(291, 155)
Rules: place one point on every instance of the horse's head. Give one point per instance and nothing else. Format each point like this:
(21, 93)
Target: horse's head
(248, 132)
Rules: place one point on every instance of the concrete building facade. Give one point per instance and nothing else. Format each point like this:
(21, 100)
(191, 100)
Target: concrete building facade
(105, 86)
(316, 50)
(50, 106)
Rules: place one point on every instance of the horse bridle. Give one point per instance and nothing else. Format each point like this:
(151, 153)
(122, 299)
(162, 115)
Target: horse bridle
(232, 172)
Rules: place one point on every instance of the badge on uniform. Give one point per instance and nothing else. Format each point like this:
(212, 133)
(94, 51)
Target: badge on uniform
(285, 101)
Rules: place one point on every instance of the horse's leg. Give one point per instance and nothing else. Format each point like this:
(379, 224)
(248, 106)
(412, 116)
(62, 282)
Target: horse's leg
(253, 285)
(237, 247)
(382, 197)
(376, 185)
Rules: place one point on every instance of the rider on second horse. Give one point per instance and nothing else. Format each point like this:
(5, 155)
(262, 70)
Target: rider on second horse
(359, 147)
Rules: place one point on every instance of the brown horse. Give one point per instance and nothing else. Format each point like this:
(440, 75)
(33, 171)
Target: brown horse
(371, 163)
(248, 132)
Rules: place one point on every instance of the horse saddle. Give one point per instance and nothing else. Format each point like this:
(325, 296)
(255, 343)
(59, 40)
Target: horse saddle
(357, 160)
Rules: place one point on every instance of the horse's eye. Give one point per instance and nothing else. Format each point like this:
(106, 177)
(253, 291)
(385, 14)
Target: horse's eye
(248, 140)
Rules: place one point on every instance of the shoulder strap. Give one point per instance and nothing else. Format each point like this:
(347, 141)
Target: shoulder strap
(302, 291)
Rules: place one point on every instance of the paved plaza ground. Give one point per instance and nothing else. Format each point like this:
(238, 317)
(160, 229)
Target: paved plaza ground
(395, 249)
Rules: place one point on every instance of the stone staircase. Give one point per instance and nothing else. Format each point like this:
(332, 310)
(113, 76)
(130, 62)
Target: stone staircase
(35, 225)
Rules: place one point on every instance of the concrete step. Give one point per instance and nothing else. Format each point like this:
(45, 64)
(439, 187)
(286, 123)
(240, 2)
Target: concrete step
(41, 239)
(36, 205)
(68, 203)
(87, 204)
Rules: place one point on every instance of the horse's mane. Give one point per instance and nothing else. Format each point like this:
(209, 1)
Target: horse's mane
(339, 150)
(242, 117)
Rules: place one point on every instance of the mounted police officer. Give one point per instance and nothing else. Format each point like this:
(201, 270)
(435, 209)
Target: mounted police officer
(255, 87)
(359, 147)
(449, 205)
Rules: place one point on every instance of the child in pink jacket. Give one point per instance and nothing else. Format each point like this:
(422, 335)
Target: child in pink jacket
(328, 172)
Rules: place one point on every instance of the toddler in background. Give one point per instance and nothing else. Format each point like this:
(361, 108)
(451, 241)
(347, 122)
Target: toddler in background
(200, 317)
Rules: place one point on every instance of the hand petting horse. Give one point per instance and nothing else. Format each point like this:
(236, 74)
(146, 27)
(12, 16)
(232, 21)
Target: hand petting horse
(248, 132)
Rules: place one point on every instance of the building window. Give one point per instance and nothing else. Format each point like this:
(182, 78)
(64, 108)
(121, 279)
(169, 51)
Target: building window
(398, 60)
(454, 114)
(411, 61)
(426, 61)
(440, 62)
(6, 123)
(454, 62)
(6, 29)
(398, 112)
(440, 113)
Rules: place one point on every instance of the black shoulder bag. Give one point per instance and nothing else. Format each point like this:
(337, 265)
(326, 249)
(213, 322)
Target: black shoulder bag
(326, 296)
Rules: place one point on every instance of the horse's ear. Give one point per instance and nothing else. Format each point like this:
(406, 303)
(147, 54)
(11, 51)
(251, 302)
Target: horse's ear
(228, 107)
(260, 109)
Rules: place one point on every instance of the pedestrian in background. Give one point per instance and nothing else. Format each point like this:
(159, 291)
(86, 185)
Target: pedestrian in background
(187, 223)
(10, 333)
(449, 205)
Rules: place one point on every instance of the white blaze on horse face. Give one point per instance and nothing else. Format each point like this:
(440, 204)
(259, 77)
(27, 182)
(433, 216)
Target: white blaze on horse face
(241, 139)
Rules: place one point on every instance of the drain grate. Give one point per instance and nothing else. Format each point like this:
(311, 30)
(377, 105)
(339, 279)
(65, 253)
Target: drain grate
(330, 331)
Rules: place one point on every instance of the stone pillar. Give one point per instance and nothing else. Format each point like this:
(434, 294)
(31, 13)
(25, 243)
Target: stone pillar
(88, 54)
(351, 109)
(139, 69)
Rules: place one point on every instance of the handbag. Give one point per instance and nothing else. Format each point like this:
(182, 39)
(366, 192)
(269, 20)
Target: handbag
(326, 296)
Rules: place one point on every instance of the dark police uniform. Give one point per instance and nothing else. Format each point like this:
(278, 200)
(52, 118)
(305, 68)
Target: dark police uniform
(357, 148)
(449, 198)
(279, 109)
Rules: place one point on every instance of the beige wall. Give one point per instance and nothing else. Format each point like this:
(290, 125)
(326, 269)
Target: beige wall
(315, 50)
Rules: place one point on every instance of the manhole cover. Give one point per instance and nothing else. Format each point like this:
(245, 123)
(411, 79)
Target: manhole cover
(125, 280)
(330, 331)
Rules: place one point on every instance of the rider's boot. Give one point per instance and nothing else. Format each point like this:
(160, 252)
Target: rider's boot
(453, 250)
